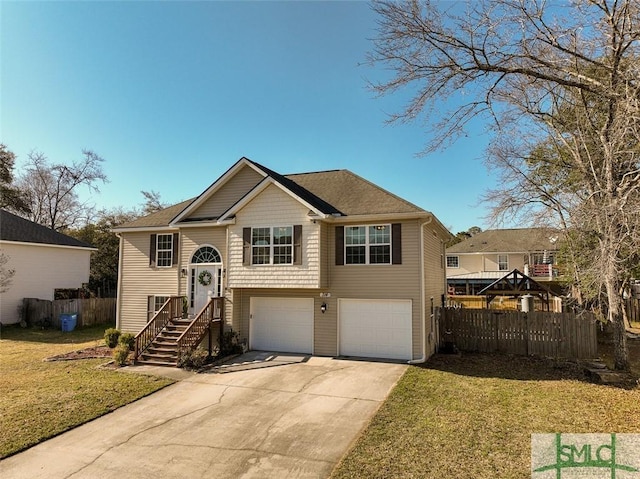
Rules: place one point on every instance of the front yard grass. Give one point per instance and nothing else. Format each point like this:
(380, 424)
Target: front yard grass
(472, 417)
(39, 400)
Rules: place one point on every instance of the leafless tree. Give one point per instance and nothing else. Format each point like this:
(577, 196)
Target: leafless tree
(52, 190)
(152, 202)
(559, 84)
(6, 273)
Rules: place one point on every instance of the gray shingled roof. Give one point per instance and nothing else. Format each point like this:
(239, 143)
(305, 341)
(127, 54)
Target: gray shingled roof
(351, 194)
(336, 191)
(14, 228)
(518, 240)
(159, 218)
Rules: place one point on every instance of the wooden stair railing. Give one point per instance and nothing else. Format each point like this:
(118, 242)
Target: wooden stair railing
(213, 312)
(171, 309)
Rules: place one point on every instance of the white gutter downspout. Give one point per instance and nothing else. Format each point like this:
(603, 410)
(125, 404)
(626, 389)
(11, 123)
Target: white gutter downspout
(119, 287)
(422, 297)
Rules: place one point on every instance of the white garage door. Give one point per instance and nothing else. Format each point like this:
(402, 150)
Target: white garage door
(281, 324)
(375, 328)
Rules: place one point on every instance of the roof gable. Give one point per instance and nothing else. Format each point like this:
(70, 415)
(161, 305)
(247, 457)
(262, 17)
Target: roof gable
(224, 196)
(15, 228)
(217, 185)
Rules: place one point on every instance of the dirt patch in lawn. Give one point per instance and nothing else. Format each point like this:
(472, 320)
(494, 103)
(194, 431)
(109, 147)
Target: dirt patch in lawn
(86, 353)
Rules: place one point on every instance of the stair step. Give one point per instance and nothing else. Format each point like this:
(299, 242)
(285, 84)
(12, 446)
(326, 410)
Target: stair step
(168, 333)
(170, 347)
(160, 353)
(158, 357)
(155, 362)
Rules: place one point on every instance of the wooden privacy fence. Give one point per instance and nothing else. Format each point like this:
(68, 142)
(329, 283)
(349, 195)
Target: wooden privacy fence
(500, 303)
(633, 309)
(558, 335)
(90, 311)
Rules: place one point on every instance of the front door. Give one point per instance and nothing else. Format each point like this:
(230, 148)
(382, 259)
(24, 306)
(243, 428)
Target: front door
(205, 279)
(206, 283)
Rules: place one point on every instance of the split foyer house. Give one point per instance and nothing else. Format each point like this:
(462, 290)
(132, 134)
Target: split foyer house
(43, 260)
(477, 262)
(322, 263)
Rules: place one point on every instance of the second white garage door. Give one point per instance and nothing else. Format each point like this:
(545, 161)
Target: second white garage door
(281, 324)
(375, 328)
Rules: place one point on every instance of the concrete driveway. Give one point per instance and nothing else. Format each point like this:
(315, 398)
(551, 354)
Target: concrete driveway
(295, 420)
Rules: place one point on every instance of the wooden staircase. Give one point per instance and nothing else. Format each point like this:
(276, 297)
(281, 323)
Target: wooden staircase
(166, 334)
(163, 350)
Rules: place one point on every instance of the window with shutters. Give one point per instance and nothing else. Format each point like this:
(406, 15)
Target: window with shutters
(272, 245)
(164, 250)
(367, 244)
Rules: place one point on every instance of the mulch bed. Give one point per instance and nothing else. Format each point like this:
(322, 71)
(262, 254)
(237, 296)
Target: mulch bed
(87, 353)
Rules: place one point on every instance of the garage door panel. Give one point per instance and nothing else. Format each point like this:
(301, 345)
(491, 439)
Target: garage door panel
(375, 328)
(282, 324)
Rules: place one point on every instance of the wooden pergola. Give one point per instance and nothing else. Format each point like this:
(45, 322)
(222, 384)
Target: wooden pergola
(514, 285)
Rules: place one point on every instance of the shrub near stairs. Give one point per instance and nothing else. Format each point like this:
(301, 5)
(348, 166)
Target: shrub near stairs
(194, 359)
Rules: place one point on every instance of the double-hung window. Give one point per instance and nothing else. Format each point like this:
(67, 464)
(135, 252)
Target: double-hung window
(272, 245)
(164, 250)
(367, 244)
(503, 262)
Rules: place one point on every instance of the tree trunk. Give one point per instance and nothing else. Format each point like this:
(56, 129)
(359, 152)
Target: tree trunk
(620, 351)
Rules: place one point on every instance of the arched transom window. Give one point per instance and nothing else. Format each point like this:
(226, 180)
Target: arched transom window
(206, 254)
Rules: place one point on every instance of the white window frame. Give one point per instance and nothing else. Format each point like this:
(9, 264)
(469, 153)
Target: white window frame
(272, 246)
(457, 258)
(367, 244)
(164, 250)
(504, 263)
(157, 306)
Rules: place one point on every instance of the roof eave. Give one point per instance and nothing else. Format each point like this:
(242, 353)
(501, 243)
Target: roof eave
(144, 229)
(49, 245)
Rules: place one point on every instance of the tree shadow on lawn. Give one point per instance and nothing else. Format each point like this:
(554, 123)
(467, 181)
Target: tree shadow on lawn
(506, 366)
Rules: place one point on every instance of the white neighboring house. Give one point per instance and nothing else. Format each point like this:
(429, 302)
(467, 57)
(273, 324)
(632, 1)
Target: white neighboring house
(43, 260)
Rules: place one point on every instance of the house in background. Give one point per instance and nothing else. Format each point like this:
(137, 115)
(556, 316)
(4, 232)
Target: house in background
(477, 262)
(322, 263)
(43, 260)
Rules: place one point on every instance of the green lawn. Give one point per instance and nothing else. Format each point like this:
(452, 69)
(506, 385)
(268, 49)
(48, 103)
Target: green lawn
(41, 399)
(472, 417)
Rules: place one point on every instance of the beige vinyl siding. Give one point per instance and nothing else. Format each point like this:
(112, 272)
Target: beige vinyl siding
(516, 260)
(138, 281)
(325, 257)
(434, 282)
(400, 281)
(469, 263)
(325, 325)
(228, 194)
(39, 270)
(274, 207)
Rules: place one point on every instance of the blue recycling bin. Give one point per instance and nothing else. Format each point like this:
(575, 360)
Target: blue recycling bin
(68, 321)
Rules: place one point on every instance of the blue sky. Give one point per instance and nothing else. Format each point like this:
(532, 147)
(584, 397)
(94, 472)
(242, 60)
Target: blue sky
(171, 94)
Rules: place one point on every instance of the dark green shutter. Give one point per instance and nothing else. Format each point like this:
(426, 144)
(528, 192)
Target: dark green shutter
(339, 245)
(396, 243)
(152, 251)
(297, 244)
(246, 247)
(174, 255)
